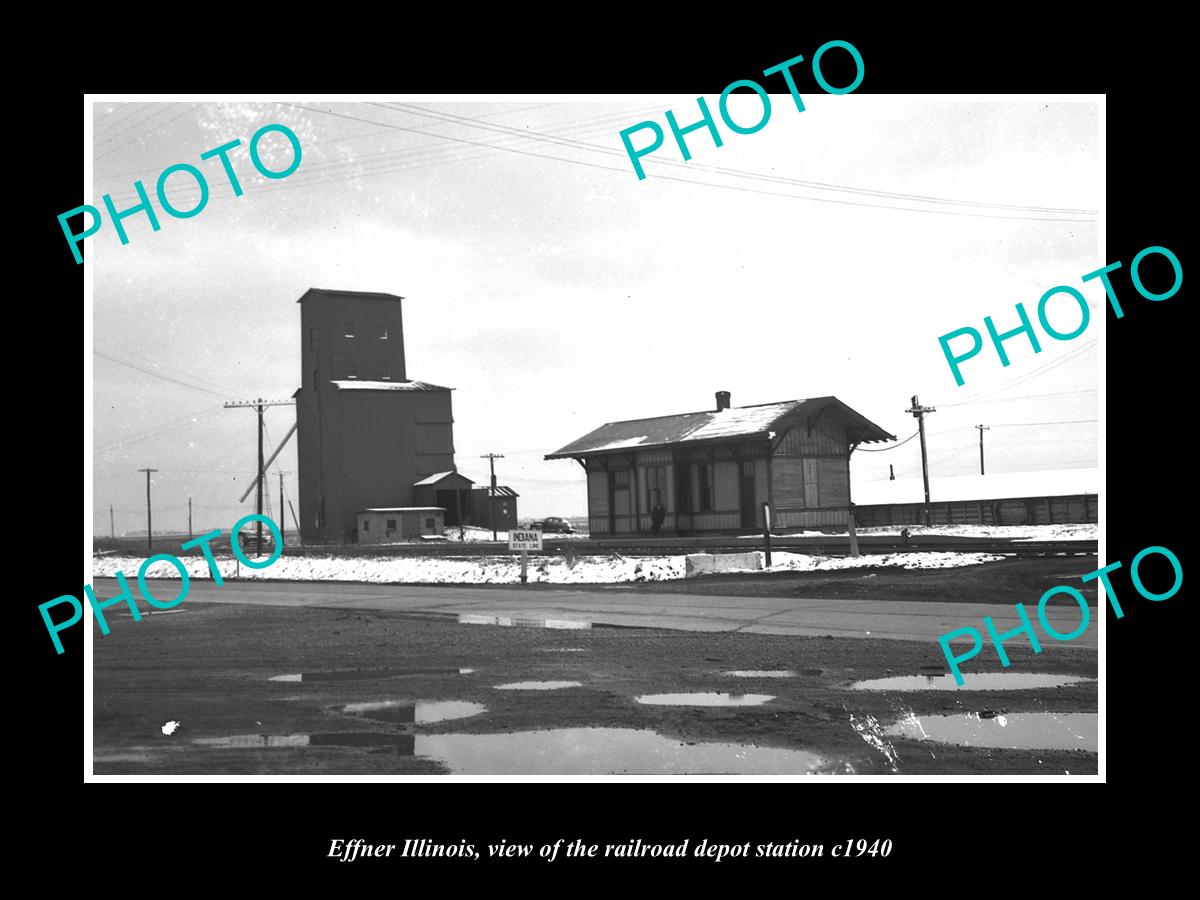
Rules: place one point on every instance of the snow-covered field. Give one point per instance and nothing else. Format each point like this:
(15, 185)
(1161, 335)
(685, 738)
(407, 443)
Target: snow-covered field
(612, 569)
(801, 562)
(1081, 532)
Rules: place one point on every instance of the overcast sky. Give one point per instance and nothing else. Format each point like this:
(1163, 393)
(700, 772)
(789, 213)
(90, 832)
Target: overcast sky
(554, 291)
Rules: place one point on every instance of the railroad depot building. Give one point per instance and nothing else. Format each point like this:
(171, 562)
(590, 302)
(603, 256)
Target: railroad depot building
(713, 471)
(367, 436)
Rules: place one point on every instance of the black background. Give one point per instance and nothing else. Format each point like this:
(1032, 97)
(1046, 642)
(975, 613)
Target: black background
(952, 835)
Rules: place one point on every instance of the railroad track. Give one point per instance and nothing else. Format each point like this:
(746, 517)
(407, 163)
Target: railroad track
(833, 545)
(826, 545)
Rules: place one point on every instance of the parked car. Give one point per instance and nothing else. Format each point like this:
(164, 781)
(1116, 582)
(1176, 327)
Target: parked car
(554, 525)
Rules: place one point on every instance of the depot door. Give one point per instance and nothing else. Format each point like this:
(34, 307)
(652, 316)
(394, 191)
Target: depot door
(747, 494)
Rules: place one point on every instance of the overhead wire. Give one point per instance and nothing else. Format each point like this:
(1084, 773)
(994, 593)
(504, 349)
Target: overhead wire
(723, 170)
(664, 177)
(623, 170)
(158, 375)
(893, 447)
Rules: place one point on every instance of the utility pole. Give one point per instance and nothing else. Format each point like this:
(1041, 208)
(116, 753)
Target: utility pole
(112, 523)
(149, 529)
(258, 504)
(491, 458)
(259, 405)
(919, 412)
(189, 518)
(982, 429)
(282, 517)
(891, 472)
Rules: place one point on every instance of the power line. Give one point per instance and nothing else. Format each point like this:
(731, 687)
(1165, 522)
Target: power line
(435, 153)
(1055, 422)
(893, 447)
(154, 374)
(722, 170)
(1024, 397)
(157, 432)
(157, 127)
(690, 181)
(158, 365)
(1032, 373)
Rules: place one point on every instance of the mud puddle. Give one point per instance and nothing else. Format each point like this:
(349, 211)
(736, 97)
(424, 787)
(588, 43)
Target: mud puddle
(1017, 731)
(537, 685)
(416, 712)
(708, 698)
(607, 751)
(987, 681)
(400, 741)
(762, 673)
(520, 622)
(366, 674)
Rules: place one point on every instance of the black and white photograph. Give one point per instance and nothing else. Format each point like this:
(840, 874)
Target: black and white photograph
(541, 436)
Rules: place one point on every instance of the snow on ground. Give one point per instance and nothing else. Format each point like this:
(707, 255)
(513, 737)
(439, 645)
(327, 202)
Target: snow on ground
(800, 562)
(1079, 532)
(612, 569)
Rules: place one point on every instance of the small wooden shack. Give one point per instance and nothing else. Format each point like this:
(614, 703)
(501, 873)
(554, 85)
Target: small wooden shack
(401, 523)
(449, 490)
(493, 507)
(712, 471)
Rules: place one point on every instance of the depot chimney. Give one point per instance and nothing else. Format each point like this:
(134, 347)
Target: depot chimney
(722, 400)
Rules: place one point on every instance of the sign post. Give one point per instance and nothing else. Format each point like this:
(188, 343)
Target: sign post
(853, 533)
(766, 508)
(524, 539)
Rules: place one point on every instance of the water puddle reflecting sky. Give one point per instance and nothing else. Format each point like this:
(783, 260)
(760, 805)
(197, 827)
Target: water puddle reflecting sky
(559, 751)
(366, 674)
(518, 621)
(1018, 731)
(985, 681)
(417, 712)
(709, 698)
(537, 685)
(607, 751)
(761, 673)
(400, 741)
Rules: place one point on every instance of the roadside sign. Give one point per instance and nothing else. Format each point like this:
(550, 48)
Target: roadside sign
(525, 539)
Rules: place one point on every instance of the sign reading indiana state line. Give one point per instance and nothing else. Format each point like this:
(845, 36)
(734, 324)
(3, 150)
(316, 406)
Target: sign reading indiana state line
(525, 539)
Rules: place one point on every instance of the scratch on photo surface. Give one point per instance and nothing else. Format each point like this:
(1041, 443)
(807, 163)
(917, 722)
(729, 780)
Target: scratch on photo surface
(868, 729)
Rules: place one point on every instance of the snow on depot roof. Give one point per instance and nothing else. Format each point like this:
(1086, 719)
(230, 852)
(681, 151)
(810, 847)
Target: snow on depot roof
(714, 425)
(326, 292)
(438, 476)
(1005, 485)
(359, 385)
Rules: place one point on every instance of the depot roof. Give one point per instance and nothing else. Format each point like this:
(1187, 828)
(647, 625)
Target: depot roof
(720, 425)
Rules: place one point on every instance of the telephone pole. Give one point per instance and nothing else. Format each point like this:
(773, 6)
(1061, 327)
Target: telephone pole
(259, 405)
(491, 458)
(919, 412)
(112, 523)
(149, 529)
(282, 517)
(982, 429)
(189, 518)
